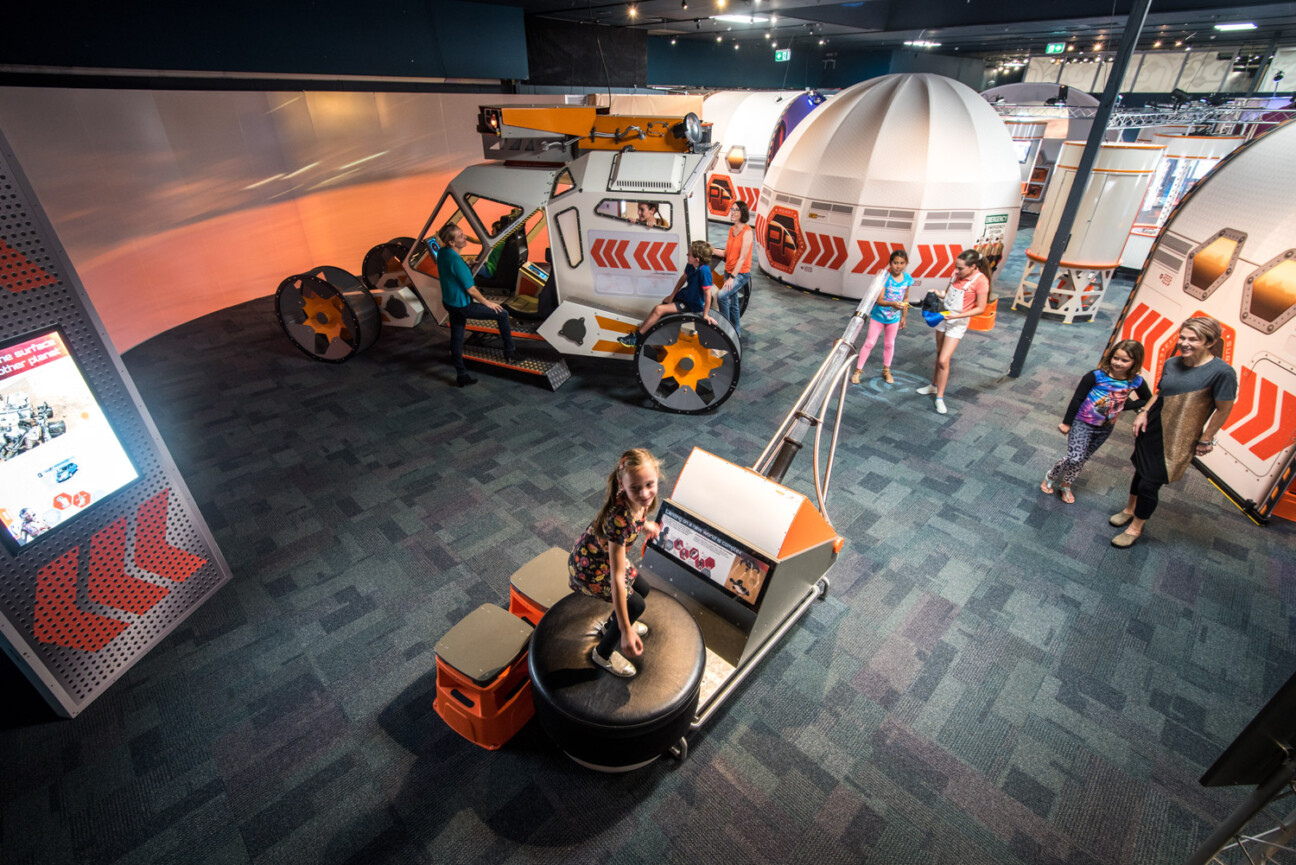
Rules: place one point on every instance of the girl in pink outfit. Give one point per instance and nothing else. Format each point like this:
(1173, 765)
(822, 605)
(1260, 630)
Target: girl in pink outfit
(889, 314)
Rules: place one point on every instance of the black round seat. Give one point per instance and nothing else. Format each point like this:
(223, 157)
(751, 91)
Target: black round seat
(602, 720)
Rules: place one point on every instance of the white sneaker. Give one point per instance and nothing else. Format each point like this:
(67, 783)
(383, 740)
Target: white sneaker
(617, 665)
(940, 406)
(926, 390)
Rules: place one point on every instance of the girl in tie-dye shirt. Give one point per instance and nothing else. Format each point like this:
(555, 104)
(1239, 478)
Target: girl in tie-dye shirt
(1091, 416)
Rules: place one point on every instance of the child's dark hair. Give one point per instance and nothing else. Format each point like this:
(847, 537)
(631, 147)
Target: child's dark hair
(1131, 347)
(898, 253)
(632, 460)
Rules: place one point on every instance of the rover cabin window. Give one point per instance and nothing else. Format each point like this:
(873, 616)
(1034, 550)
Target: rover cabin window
(652, 214)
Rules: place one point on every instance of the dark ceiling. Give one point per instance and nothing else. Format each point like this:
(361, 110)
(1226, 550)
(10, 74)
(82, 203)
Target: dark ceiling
(979, 27)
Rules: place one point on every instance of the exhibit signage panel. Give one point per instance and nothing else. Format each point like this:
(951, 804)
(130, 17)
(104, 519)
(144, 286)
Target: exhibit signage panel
(104, 551)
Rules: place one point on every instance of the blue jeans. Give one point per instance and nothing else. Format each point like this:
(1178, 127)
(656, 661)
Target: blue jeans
(729, 303)
(459, 316)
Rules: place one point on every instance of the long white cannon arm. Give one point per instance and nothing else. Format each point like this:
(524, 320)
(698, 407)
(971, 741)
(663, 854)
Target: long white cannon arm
(811, 406)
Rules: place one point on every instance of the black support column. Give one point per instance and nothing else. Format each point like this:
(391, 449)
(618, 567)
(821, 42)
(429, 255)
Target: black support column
(1133, 27)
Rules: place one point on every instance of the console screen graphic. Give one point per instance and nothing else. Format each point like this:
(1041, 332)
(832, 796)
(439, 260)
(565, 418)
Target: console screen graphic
(739, 571)
(58, 453)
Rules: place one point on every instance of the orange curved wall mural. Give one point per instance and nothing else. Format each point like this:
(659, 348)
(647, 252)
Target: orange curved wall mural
(176, 204)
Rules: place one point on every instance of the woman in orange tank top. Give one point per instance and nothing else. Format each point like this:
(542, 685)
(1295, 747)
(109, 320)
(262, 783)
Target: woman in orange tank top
(738, 255)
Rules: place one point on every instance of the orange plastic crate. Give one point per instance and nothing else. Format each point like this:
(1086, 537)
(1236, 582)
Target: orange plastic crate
(1286, 507)
(486, 715)
(986, 320)
(524, 608)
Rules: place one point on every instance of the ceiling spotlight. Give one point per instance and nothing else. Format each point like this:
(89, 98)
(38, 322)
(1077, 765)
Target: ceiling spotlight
(735, 46)
(1097, 46)
(720, 4)
(634, 11)
(773, 20)
(822, 41)
(1156, 44)
(683, 4)
(773, 44)
(1187, 47)
(1178, 42)
(672, 40)
(719, 38)
(1070, 47)
(767, 34)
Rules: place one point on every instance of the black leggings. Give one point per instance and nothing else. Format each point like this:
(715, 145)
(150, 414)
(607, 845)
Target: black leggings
(1145, 492)
(634, 606)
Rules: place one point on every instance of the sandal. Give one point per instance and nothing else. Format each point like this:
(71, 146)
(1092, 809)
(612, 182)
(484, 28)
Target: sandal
(1120, 519)
(1047, 486)
(1066, 495)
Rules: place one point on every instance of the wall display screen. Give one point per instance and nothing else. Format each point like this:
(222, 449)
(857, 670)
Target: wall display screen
(737, 569)
(58, 453)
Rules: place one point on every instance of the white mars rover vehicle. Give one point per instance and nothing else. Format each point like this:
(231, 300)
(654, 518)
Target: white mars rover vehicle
(579, 225)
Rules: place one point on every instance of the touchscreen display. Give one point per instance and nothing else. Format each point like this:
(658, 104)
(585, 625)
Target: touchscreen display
(712, 555)
(58, 454)
(536, 272)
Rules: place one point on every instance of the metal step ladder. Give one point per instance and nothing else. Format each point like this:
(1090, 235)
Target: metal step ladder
(535, 357)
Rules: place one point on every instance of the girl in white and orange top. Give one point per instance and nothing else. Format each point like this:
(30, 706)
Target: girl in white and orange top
(965, 296)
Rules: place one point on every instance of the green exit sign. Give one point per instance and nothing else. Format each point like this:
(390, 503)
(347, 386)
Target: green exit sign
(782, 55)
(1055, 48)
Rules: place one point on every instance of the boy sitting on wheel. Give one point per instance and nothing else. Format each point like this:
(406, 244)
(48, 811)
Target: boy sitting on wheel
(692, 293)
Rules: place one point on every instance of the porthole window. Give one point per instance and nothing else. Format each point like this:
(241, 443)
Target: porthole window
(1211, 263)
(1269, 294)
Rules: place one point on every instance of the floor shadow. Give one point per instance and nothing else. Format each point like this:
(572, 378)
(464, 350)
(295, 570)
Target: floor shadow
(527, 792)
(24, 706)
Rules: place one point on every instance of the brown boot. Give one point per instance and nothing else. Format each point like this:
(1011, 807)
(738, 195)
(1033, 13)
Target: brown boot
(855, 377)
(886, 375)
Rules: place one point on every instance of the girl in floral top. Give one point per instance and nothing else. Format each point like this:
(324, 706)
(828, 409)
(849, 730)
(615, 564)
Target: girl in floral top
(599, 564)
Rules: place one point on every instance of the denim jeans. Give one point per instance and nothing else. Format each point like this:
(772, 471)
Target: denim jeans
(730, 303)
(459, 316)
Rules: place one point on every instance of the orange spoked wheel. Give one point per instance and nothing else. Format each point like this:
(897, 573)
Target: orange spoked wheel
(328, 314)
(686, 365)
